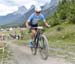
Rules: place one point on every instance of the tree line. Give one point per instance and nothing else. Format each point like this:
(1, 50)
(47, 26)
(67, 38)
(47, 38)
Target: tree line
(65, 13)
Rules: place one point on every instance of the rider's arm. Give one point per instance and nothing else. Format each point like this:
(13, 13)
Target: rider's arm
(27, 24)
(46, 24)
(44, 20)
(29, 20)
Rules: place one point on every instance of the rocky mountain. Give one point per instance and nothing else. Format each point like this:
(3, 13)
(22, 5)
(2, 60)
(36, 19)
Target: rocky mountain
(13, 16)
(20, 16)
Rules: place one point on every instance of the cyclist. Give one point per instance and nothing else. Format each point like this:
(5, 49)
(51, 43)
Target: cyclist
(33, 22)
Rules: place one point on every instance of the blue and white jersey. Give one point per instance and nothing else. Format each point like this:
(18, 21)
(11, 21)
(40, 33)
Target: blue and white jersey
(35, 18)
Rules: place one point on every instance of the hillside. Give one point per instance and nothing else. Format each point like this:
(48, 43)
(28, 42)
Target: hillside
(19, 17)
(61, 34)
(62, 25)
(64, 14)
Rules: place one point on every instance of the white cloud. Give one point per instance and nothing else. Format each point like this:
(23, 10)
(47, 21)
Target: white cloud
(4, 10)
(9, 6)
(26, 3)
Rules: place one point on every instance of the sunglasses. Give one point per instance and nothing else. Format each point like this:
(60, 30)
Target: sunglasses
(37, 12)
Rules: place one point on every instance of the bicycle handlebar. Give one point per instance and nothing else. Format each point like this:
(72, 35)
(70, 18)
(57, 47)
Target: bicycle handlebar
(39, 27)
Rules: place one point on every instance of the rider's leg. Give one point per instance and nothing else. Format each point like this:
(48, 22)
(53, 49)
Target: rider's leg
(33, 32)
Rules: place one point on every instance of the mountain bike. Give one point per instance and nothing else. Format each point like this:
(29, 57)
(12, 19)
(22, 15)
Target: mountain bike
(40, 44)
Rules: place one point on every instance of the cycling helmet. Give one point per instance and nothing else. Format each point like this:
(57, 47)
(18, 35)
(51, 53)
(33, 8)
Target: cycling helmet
(38, 9)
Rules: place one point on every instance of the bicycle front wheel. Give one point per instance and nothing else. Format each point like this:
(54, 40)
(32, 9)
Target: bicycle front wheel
(43, 46)
(34, 49)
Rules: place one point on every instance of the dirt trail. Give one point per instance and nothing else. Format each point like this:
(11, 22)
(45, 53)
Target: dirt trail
(22, 55)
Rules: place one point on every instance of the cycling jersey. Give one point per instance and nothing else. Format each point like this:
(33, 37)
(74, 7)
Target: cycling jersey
(33, 19)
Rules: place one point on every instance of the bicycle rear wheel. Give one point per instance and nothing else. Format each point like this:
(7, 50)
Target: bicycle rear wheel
(43, 47)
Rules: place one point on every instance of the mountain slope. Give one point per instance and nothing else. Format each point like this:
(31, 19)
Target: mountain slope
(48, 9)
(13, 16)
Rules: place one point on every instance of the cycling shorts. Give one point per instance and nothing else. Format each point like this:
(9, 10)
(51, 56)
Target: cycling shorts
(32, 26)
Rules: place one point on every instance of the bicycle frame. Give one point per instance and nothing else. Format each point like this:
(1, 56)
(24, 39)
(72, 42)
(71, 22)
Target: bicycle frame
(37, 37)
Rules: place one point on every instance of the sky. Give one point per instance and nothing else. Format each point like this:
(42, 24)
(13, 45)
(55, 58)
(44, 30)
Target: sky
(9, 6)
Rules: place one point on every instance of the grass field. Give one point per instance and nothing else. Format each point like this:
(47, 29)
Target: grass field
(61, 40)
(1, 50)
(6, 56)
(57, 38)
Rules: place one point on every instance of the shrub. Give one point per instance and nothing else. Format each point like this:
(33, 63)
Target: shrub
(64, 13)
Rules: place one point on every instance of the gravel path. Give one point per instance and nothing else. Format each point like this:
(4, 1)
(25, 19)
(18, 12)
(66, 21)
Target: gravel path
(22, 55)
